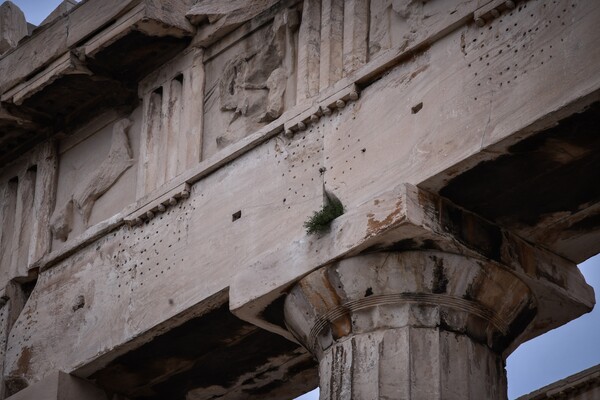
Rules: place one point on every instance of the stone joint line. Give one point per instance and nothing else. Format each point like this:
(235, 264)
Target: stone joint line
(457, 303)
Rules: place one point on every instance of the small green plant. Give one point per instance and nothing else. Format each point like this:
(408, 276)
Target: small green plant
(321, 220)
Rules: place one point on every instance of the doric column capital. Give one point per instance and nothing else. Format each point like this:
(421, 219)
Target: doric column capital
(410, 325)
(363, 294)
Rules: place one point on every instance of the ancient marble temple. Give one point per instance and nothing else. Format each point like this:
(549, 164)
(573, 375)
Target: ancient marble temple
(161, 160)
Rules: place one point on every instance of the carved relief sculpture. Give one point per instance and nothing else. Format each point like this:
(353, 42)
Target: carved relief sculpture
(62, 221)
(253, 84)
(119, 160)
(394, 23)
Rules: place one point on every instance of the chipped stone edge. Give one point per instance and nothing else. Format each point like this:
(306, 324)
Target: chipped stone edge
(89, 236)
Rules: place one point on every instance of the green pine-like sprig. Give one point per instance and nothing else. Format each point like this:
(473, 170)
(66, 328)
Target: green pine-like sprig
(321, 220)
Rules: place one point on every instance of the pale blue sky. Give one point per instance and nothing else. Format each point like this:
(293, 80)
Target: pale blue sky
(36, 10)
(541, 361)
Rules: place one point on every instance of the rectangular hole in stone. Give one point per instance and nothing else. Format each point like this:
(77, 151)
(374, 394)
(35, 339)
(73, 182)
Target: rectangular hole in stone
(417, 108)
(179, 78)
(235, 216)
(27, 288)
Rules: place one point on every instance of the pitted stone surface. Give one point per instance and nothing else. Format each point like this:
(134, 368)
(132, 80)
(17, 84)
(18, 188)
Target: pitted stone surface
(410, 325)
(420, 288)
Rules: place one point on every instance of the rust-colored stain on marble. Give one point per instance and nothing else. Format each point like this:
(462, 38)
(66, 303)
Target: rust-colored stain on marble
(375, 226)
(526, 259)
(417, 72)
(24, 360)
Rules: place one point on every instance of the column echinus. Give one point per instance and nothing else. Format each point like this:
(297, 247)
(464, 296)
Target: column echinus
(410, 325)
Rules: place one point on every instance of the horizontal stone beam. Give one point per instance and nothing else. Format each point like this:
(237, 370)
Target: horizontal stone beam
(409, 218)
(69, 31)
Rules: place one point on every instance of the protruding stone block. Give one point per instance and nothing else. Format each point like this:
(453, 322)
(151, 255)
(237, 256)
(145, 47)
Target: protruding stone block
(60, 386)
(13, 26)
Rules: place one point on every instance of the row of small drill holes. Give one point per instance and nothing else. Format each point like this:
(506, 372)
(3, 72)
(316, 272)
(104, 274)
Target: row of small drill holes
(346, 146)
(142, 235)
(299, 149)
(515, 50)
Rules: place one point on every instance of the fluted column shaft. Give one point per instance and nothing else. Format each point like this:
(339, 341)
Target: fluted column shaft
(411, 363)
(412, 325)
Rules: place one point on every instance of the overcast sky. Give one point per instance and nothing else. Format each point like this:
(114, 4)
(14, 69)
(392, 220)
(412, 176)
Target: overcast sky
(541, 361)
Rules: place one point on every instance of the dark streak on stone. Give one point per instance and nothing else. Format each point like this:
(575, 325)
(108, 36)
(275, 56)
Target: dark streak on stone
(469, 292)
(440, 280)
(588, 224)
(273, 313)
(445, 326)
(559, 281)
(519, 324)
(471, 230)
(429, 244)
(403, 245)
